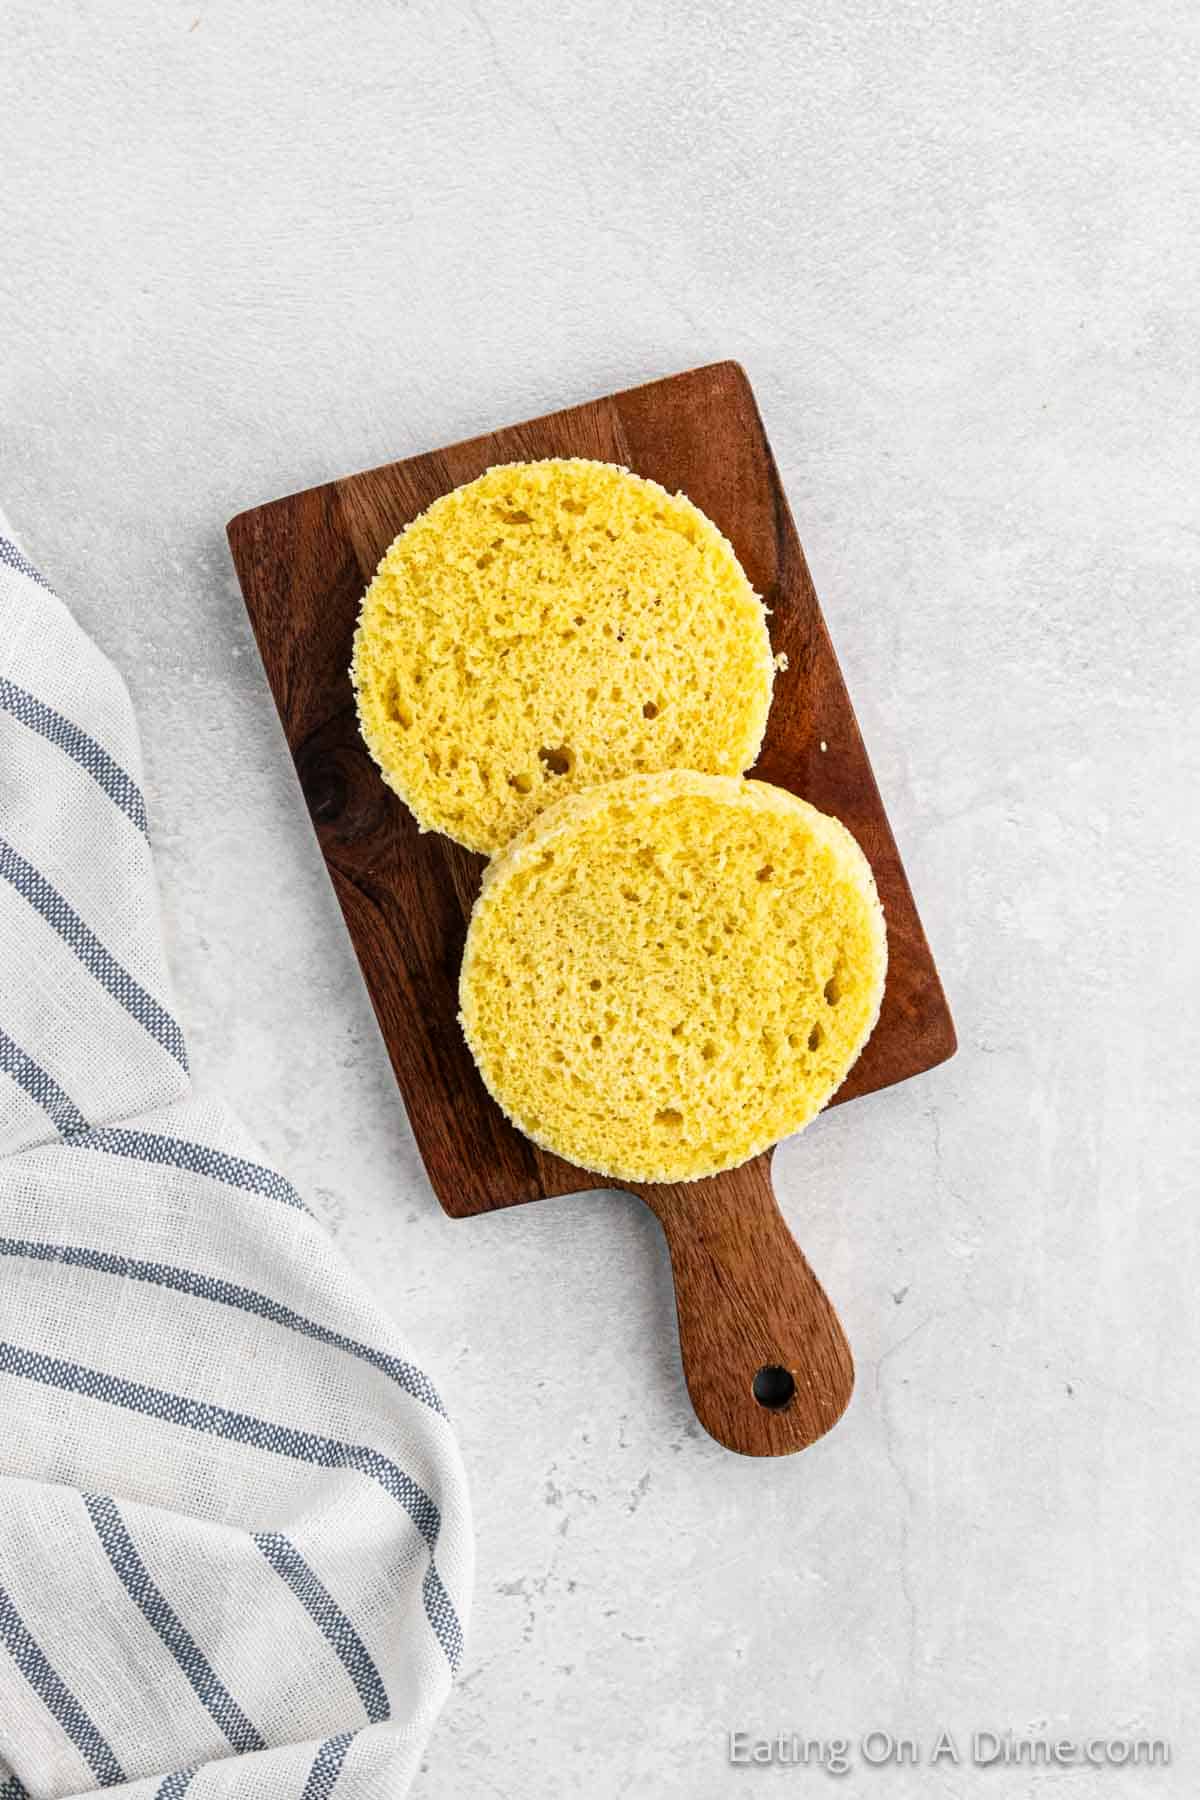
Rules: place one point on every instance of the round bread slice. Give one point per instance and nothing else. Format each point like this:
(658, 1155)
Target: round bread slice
(666, 974)
(550, 626)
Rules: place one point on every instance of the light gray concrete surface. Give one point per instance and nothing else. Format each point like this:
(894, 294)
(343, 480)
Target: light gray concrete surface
(248, 246)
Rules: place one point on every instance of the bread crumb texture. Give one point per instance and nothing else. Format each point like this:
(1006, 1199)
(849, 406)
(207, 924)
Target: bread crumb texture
(665, 975)
(550, 626)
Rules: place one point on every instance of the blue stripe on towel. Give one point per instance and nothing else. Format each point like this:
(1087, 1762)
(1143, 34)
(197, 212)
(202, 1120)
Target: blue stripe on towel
(121, 788)
(323, 1775)
(323, 1609)
(11, 1789)
(209, 1689)
(56, 1697)
(12, 558)
(42, 1087)
(91, 952)
(143, 1146)
(407, 1375)
(260, 1434)
(174, 1787)
(200, 1159)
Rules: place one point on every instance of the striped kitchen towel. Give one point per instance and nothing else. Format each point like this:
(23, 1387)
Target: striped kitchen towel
(235, 1550)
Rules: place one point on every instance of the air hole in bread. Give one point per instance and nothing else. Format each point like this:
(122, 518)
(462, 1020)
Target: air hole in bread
(557, 760)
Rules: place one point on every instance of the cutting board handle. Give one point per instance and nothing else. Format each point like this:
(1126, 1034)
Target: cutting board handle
(766, 1360)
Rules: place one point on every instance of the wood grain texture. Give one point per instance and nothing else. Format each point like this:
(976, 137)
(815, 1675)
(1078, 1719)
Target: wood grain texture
(747, 1302)
(304, 563)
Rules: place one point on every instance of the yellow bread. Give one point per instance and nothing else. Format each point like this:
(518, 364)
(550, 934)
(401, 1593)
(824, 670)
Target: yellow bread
(668, 973)
(549, 626)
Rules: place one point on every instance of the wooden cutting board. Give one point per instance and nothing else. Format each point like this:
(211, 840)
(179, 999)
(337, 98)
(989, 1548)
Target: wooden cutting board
(766, 1361)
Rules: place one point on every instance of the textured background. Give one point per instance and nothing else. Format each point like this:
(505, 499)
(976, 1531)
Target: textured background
(248, 246)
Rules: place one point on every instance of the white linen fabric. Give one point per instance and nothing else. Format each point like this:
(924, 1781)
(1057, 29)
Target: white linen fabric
(235, 1548)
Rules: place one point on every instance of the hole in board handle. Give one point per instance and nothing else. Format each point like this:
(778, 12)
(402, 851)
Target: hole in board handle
(773, 1387)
